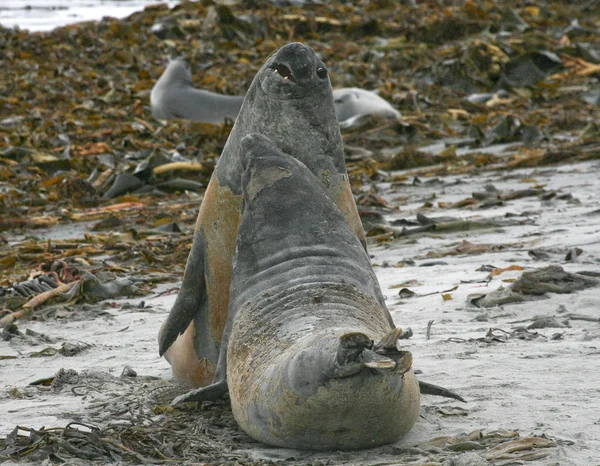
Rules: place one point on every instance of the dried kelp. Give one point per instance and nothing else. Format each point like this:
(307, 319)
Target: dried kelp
(533, 285)
(77, 130)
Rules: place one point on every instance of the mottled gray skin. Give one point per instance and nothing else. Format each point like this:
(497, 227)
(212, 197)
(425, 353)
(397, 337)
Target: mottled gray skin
(290, 101)
(304, 306)
(174, 96)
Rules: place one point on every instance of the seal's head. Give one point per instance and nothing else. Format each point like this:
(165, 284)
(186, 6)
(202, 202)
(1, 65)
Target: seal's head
(291, 102)
(165, 99)
(177, 72)
(295, 72)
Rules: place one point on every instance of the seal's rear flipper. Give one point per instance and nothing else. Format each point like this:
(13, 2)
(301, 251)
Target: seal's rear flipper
(355, 353)
(436, 390)
(212, 392)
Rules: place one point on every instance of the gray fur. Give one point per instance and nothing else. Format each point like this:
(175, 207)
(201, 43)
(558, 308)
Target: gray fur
(354, 102)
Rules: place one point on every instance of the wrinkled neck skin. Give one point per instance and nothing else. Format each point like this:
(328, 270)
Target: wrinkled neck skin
(299, 117)
(292, 233)
(309, 320)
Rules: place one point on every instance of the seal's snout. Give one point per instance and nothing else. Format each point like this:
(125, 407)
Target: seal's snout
(297, 62)
(256, 145)
(285, 72)
(247, 145)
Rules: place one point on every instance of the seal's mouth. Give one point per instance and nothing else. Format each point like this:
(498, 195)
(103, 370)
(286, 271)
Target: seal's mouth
(281, 84)
(285, 72)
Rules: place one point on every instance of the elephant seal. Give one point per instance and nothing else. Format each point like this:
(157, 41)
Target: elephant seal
(291, 102)
(174, 96)
(301, 366)
(353, 102)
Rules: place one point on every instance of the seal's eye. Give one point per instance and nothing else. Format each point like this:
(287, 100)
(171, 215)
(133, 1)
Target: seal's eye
(285, 72)
(321, 72)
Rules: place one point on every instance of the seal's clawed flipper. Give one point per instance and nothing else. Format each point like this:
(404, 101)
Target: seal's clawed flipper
(349, 358)
(376, 361)
(436, 390)
(388, 348)
(356, 351)
(213, 392)
(389, 342)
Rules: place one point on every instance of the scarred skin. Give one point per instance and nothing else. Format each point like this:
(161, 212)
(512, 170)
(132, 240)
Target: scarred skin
(302, 370)
(290, 102)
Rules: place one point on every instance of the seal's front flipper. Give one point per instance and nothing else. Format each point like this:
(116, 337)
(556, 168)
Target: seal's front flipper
(349, 357)
(212, 392)
(356, 352)
(219, 387)
(191, 297)
(436, 390)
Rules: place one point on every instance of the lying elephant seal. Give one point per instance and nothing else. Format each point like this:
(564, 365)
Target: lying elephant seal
(354, 102)
(301, 366)
(291, 102)
(174, 96)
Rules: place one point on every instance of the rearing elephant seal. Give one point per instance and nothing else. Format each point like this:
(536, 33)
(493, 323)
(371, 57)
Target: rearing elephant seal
(302, 368)
(290, 101)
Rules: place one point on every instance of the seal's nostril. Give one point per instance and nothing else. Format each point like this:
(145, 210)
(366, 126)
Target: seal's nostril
(321, 72)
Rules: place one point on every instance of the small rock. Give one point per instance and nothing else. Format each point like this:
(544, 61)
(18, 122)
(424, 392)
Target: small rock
(128, 372)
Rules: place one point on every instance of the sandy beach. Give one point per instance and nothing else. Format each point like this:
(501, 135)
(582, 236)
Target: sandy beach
(545, 384)
(480, 204)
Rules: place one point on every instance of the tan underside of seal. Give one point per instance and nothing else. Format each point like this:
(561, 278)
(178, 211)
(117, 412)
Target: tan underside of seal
(219, 220)
(342, 196)
(186, 366)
